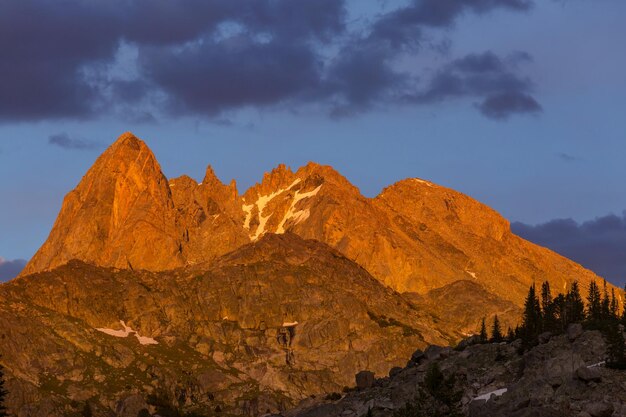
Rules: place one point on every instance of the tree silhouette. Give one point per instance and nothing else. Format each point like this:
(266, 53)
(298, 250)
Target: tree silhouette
(3, 394)
(548, 308)
(575, 305)
(594, 304)
(483, 332)
(532, 320)
(496, 332)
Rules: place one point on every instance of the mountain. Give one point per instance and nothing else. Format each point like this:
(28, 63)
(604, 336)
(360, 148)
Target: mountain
(415, 236)
(152, 292)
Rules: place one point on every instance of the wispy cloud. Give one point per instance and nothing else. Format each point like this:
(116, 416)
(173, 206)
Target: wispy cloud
(63, 140)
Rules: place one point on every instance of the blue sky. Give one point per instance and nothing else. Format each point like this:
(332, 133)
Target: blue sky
(519, 104)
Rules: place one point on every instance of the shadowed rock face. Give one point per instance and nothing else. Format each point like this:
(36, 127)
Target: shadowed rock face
(277, 321)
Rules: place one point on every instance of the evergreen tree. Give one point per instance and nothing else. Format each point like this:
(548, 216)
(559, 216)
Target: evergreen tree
(606, 304)
(510, 335)
(624, 309)
(616, 350)
(496, 332)
(575, 305)
(614, 306)
(3, 394)
(532, 320)
(546, 296)
(594, 304)
(483, 332)
(547, 308)
(561, 313)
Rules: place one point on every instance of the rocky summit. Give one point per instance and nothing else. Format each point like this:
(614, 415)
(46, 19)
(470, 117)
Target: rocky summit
(154, 295)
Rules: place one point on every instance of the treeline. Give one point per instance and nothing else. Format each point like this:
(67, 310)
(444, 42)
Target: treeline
(544, 313)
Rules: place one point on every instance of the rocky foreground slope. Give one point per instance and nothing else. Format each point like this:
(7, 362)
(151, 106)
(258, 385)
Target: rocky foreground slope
(564, 376)
(261, 328)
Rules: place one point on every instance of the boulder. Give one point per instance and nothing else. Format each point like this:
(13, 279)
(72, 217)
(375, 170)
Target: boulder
(131, 406)
(417, 356)
(588, 374)
(394, 371)
(364, 379)
(433, 352)
(599, 409)
(468, 341)
(574, 330)
(545, 337)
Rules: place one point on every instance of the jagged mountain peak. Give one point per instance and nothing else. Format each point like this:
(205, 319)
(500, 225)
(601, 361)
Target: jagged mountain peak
(415, 236)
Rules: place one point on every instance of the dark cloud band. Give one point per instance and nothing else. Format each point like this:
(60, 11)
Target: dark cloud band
(205, 57)
(10, 269)
(599, 244)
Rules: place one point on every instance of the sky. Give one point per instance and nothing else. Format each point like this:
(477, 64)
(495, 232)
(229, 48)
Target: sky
(520, 104)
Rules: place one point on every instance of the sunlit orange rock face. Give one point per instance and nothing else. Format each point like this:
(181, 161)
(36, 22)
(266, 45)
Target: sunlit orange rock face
(414, 237)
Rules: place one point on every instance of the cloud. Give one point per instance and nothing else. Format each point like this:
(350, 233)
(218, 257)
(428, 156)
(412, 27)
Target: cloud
(488, 77)
(63, 140)
(567, 157)
(597, 244)
(219, 55)
(10, 269)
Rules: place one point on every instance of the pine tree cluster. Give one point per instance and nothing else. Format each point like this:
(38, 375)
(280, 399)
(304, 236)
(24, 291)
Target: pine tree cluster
(555, 314)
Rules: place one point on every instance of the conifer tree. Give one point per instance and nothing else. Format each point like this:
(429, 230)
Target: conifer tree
(496, 332)
(606, 304)
(3, 394)
(510, 335)
(547, 308)
(532, 320)
(546, 296)
(616, 349)
(560, 312)
(575, 305)
(614, 306)
(483, 332)
(594, 304)
(624, 309)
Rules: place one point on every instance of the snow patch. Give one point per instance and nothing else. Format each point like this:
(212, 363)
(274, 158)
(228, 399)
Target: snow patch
(290, 323)
(261, 202)
(487, 396)
(595, 365)
(297, 216)
(423, 182)
(127, 331)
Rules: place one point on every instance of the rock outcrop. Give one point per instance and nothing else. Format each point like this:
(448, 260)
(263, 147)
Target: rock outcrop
(559, 378)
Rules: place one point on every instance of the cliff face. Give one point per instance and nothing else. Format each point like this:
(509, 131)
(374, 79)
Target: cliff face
(121, 215)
